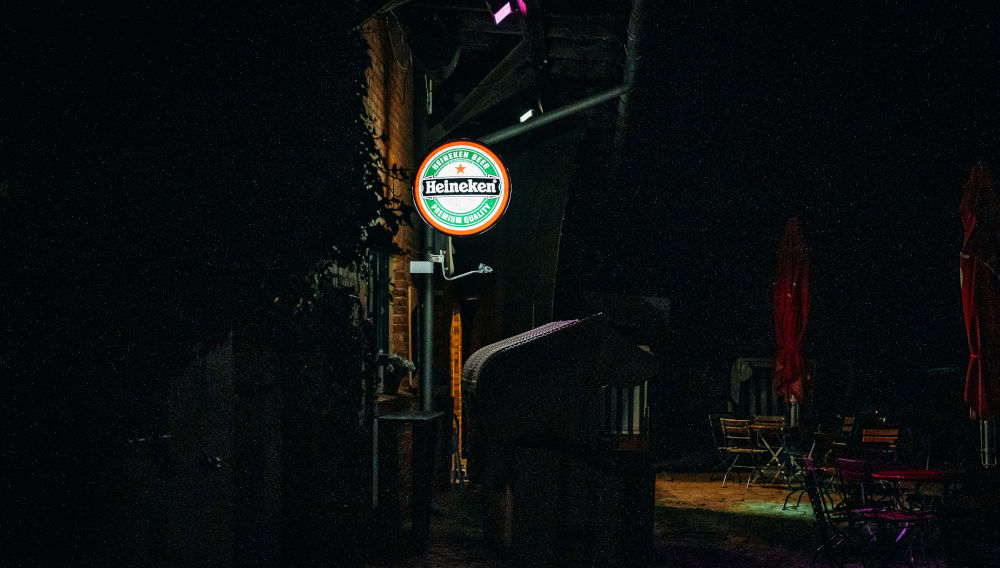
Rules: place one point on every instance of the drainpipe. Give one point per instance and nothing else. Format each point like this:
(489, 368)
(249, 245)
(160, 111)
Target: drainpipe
(553, 115)
(427, 355)
(629, 70)
(987, 443)
(420, 144)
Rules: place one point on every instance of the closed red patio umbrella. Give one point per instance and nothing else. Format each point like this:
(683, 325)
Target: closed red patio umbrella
(978, 262)
(791, 311)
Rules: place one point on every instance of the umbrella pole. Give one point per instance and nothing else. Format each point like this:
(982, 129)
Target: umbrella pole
(793, 411)
(987, 443)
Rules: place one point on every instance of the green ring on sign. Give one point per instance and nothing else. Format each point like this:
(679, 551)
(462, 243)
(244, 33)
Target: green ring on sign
(479, 212)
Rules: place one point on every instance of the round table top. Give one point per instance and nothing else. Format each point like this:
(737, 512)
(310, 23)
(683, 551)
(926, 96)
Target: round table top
(915, 474)
(768, 426)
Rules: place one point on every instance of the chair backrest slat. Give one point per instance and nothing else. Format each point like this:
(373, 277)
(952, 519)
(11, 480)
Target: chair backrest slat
(767, 419)
(880, 436)
(879, 444)
(735, 431)
(718, 439)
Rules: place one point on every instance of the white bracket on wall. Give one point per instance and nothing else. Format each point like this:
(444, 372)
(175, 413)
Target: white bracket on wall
(439, 258)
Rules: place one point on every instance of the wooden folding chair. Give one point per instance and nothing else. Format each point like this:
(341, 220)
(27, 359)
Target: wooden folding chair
(740, 446)
(847, 429)
(878, 445)
(719, 441)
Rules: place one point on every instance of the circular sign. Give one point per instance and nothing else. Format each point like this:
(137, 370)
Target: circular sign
(462, 188)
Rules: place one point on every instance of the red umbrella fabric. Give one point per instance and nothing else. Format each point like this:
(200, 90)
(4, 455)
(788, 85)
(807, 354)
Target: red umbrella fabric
(791, 311)
(981, 292)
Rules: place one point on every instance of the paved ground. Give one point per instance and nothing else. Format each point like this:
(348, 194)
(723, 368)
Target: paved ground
(701, 523)
(698, 523)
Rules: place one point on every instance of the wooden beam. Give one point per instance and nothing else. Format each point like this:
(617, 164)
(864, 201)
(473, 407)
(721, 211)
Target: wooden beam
(454, 5)
(511, 76)
(585, 69)
(534, 33)
(609, 52)
(557, 48)
(487, 42)
(556, 26)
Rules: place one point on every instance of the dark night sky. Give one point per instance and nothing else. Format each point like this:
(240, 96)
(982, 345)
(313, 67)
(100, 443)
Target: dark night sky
(864, 124)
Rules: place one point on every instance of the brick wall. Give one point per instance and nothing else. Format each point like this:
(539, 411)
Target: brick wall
(393, 83)
(390, 106)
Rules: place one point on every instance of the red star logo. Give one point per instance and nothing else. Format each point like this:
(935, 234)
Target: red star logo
(460, 168)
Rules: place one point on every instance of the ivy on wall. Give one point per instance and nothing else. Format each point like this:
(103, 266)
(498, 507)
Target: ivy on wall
(166, 173)
(171, 171)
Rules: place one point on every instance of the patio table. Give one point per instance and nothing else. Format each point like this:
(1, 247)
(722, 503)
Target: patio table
(918, 477)
(772, 437)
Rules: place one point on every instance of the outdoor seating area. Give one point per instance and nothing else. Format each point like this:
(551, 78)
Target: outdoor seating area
(699, 524)
(762, 447)
(870, 503)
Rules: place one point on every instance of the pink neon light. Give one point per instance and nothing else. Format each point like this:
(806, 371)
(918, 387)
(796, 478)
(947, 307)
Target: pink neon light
(502, 13)
(522, 6)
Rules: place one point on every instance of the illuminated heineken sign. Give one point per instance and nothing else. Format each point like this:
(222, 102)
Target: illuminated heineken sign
(462, 188)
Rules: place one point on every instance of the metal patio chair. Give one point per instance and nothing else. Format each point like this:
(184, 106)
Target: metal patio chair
(873, 512)
(857, 488)
(833, 525)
